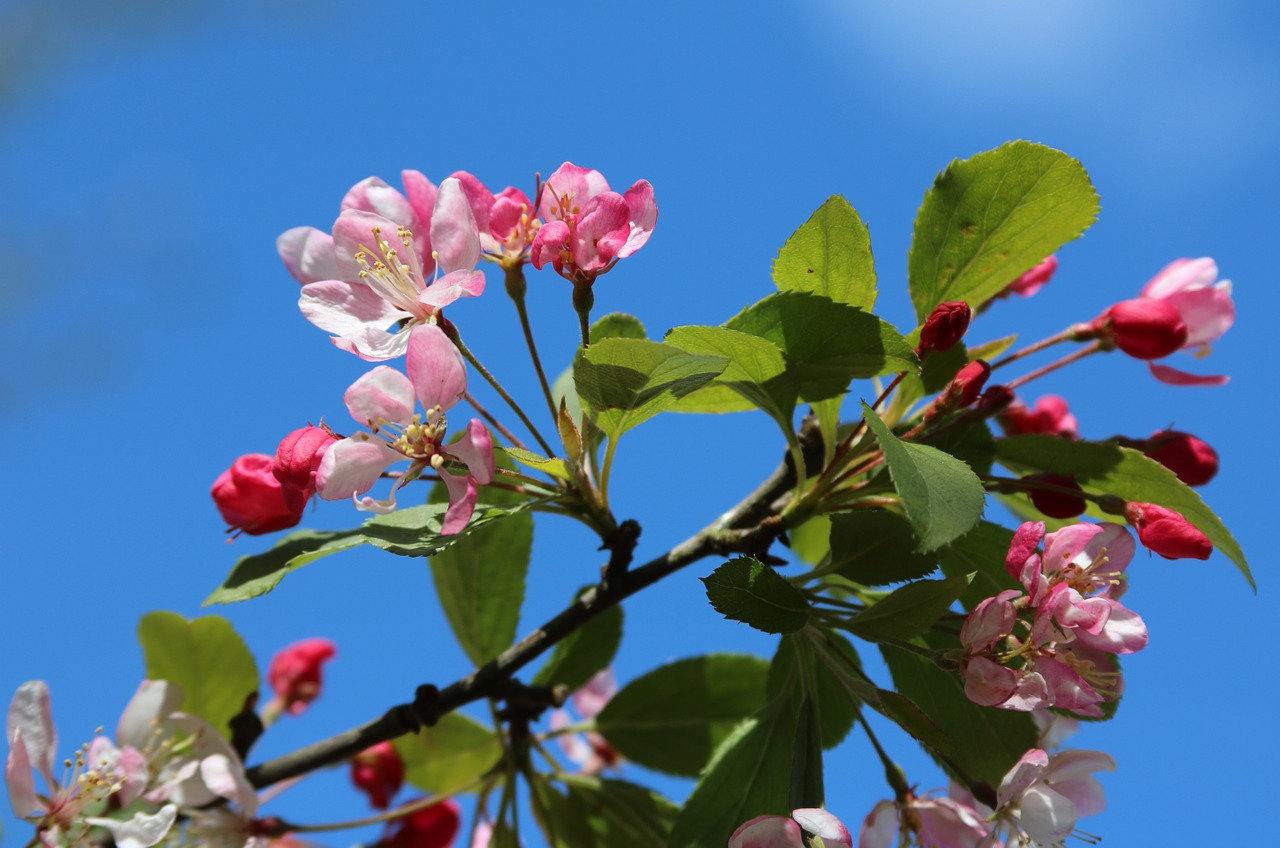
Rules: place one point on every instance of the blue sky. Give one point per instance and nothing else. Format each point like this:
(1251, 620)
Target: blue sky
(148, 159)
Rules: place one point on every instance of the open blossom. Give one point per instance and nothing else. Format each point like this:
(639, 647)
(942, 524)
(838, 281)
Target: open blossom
(783, 832)
(506, 221)
(391, 260)
(586, 227)
(294, 674)
(383, 401)
(251, 499)
(1049, 416)
(931, 820)
(1043, 796)
(589, 751)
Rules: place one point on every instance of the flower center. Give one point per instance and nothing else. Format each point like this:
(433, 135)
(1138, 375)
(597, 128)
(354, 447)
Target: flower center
(397, 281)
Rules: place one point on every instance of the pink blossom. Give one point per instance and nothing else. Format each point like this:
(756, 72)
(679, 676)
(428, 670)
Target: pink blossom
(296, 461)
(589, 751)
(945, 326)
(373, 272)
(1032, 280)
(783, 832)
(586, 226)
(383, 400)
(931, 820)
(1203, 302)
(506, 222)
(1043, 795)
(1049, 416)
(294, 675)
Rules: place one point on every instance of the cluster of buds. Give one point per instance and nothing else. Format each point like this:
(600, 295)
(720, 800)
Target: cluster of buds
(261, 494)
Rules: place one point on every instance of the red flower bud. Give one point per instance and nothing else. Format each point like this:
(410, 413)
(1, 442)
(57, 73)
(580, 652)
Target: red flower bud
(1144, 328)
(296, 461)
(379, 773)
(962, 391)
(944, 327)
(1167, 533)
(431, 827)
(294, 673)
(1056, 504)
(1194, 461)
(995, 399)
(1049, 417)
(250, 498)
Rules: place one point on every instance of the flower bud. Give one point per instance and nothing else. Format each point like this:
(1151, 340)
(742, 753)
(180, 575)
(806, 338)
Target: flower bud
(1166, 532)
(296, 461)
(1049, 416)
(1194, 461)
(431, 827)
(294, 673)
(945, 326)
(1053, 503)
(962, 391)
(251, 499)
(1143, 328)
(379, 773)
(1031, 281)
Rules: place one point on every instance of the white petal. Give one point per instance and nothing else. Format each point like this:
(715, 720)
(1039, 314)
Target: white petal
(154, 700)
(29, 712)
(141, 831)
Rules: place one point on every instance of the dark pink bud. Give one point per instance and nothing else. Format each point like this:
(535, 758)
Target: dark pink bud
(962, 391)
(1144, 328)
(379, 773)
(294, 673)
(251, 499)
(1166, 532)
(945, 326)
(1049, 417)
(1031, 281)
(1054, 503)
(1194, 461)
(431, 827)
(995, 399)
(296, 461)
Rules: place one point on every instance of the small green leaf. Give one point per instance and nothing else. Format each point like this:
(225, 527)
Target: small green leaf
(449, 755)
(811, 540)
(206, 657)
(942, 496)
(991, 217)
(756, 369)
(981, 553)
(830, 255)
(553, 465)
(672, 718)
(616, 325)
(875, 547)
(628, 381)
(747, 590)
(909, 610)
(587, 650)
(1106, 468)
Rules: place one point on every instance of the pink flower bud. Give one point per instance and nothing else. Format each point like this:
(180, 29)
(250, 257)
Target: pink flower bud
(1143, 327)
(296, 461)
(962, 391)
(1031, 281)
(379, 773)
(251, 499)
(995, 399)
(1194, 461)
(431, 827)
(294, 673)
(1049, 417)
(1166, 532)
(945, 326)
(1056, 504)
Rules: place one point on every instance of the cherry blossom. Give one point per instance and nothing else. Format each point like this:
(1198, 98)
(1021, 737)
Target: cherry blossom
(589, 751)
(507, 222)
(783, 832)
(1043, 796)
(1033, 279)
(930, 820)
(383, 400)
(1049, 416)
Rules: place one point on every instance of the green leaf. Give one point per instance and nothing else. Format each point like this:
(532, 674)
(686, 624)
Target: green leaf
(991, 217)
(980, 553)
(811, 540)
(206, 657)
(408, 532)
(807, 786)
(672, 718)
(480, 581)
(747, 590)
(904, 712)
(984, 742)
(554, 466)
(837, 707)
(750, 775)
(909, 610)
(616, 325)
(826, 344)
(620, 814)
(942, 496)
(449, 755)
(756, 368)
(587, 650)
(830, 255)
(563, 821)
(970, 442)
(628, 381)
(875, 547)
(1105, 468)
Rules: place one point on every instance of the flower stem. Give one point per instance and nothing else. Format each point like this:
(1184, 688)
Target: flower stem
(1054, 366)
(516, 289)
(497, 387)
(493, 422)
(1065, 335)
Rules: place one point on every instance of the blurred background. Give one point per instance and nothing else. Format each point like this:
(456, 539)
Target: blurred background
(150, 153)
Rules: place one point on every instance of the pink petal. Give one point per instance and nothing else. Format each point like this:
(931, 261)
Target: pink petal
(823, 825)
(1062, 547)
(381, 395)
(308, 254)
(462, 502)
(508, 208)
(421, 193)
(1025, 772)
(353, 232)
(225, 778)
(478, 197)
(142, 830)
(451, 287)
(1181, 275)
(1208, 312)
(1174, 377)
(1047, 816)
(18, 778)
(881, 827)
(1124, 632)
(602, 229)
(573, 185)
(345, 308)
(475, 449)
(373, 195)
(154, 700)
(987, 683)
(767, 832)
(373, 345)
(643, 214)
(1068, 765)
(1025, 541)
(455, 236)
(592, 696)
(435, 368)
(29, 712)
(351, 466)
(551, 238)
(1085, 794)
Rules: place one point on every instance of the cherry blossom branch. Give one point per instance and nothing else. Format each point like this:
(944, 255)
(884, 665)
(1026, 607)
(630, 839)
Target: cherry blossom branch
(749, 527)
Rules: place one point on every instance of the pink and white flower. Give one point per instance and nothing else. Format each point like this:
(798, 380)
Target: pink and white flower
(383, 400)
(1204, 302)
(589, 751)
(783, 832)
(1043, 796)
(932, 820)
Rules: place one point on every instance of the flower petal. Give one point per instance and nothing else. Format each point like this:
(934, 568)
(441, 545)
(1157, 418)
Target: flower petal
(436, 369)
(644, 215)
(421, 193)
(824, 825)
(154, 700)
(1174, 377)
(1047, 816)
(29, 712)
(351, 466)
(475, 449)
(450, 287)
(382, 395)
(455, 236)
(18, 778)
(373, 345)
(881, 826)
(308, 254)
(344, 308)
(373, 195)
(462, 502)
(767, 832)
(142, 830)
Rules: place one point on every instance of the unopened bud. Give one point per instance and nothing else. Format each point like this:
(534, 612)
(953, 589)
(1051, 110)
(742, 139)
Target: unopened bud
(1053, 502)
(251, 499)
(296, 460)
(1031, 280)
(1166, 532)
(1050, 416)
(945, 326)
(294, 673)
(962, 391)
(430, 827)
(1143, 327)
(1193, 460)
(379, 773)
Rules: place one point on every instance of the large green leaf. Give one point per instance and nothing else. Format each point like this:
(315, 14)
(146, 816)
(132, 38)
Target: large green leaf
(617, 814)
(991, 217)
(757, 370)
(875, 547)
(672, 718)
(836, 706)
(206, 657)
(408, 532)
(830, 255)
(1106, 468)
(587, 650)
(449, 755)
(942, 496)
(747, 590)
(627, 381)
(909, 610)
